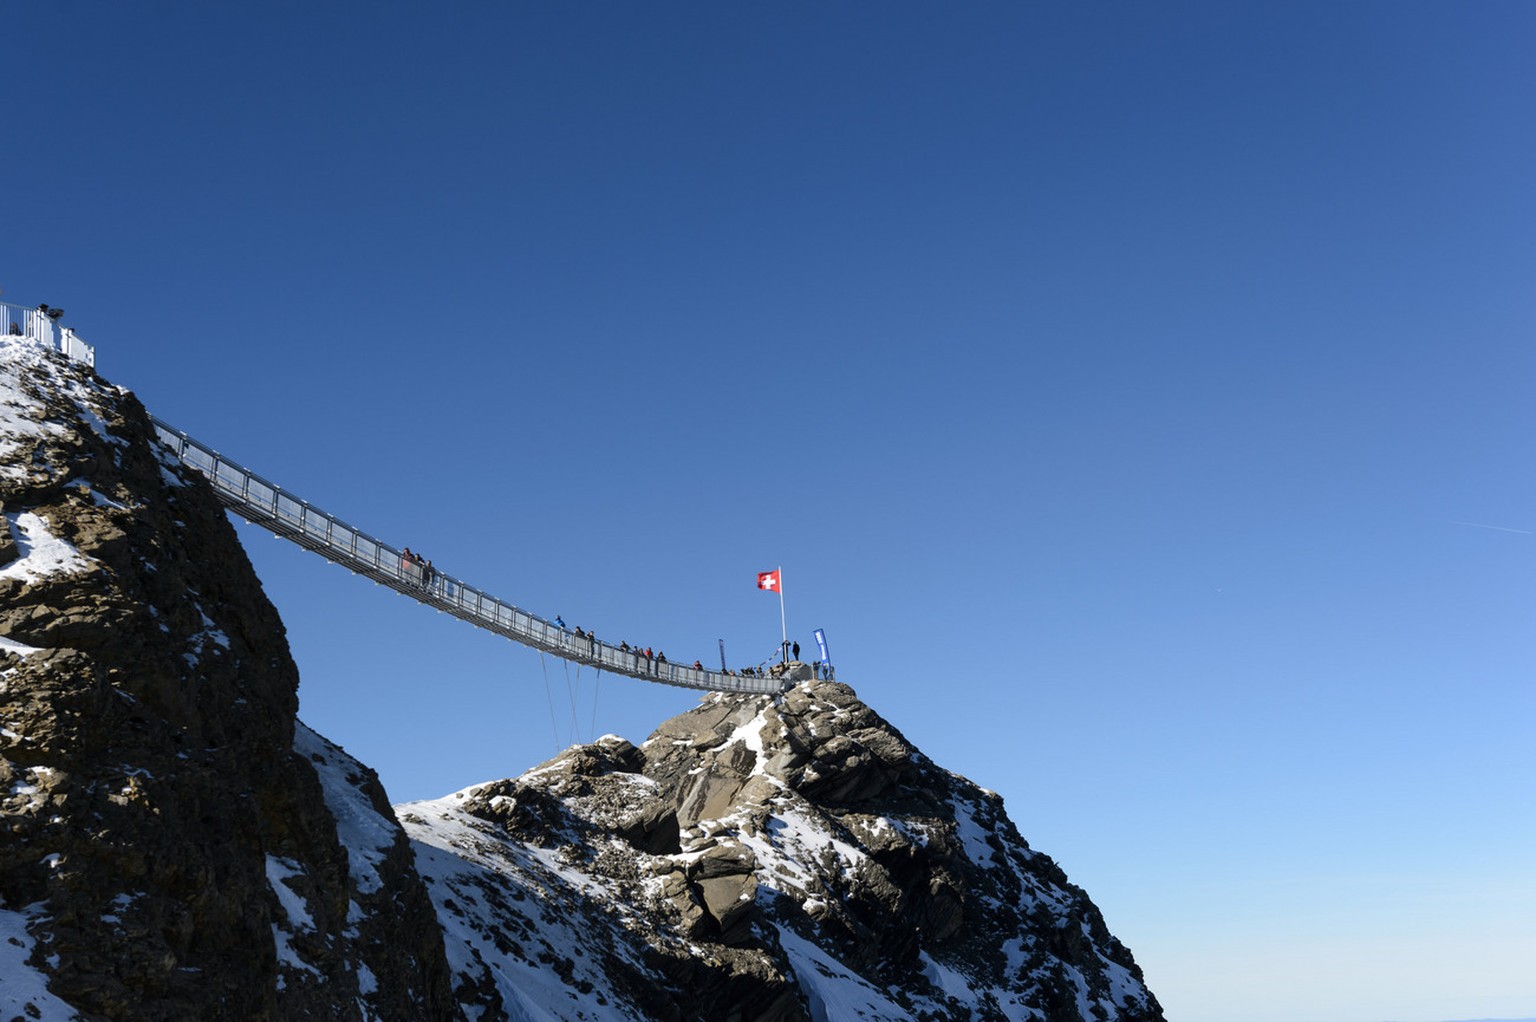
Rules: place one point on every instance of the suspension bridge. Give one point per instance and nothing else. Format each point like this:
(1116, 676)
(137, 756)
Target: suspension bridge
(269, 506)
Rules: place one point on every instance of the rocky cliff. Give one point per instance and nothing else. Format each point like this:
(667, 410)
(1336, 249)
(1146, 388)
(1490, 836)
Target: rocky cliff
(175, 845)
(168, 843)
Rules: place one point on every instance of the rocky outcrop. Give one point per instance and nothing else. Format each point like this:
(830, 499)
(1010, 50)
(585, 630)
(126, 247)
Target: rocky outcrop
(771, 858)
(166, 852)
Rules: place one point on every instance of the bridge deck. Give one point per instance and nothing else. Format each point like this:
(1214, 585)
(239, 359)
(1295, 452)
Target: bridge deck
(271, 507)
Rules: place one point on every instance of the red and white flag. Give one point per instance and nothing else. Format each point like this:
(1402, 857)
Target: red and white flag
(769, 580)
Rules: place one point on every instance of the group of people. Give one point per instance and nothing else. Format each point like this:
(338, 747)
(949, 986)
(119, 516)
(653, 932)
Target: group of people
(417, 568)
(654, 660)
(791, 651)
(823, 671)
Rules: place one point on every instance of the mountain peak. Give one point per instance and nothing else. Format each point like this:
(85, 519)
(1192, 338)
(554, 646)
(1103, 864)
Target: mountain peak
(809, 847)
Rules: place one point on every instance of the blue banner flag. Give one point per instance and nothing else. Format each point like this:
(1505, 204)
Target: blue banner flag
(821, 640)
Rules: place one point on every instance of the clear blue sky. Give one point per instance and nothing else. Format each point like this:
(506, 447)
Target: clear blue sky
(1140, 396)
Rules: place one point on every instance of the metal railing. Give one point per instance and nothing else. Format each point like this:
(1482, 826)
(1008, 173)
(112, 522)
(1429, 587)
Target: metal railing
(39, 325)
(268, 505)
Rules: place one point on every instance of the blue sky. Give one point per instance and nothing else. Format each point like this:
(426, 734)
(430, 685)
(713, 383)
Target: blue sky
(1140, 396)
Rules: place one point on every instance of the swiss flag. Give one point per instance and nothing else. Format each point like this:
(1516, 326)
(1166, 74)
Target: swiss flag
(769, 580)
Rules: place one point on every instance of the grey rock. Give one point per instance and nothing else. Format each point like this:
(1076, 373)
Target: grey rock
(803, 819)
(156, 799)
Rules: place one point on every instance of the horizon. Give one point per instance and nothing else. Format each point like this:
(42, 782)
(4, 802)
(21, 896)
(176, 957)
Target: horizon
(1138, 398)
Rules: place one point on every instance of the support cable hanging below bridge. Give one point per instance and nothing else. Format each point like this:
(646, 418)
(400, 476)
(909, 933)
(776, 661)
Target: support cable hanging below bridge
(270, 506)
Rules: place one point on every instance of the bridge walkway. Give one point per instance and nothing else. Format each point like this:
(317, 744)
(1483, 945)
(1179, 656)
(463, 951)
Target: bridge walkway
(263, 503)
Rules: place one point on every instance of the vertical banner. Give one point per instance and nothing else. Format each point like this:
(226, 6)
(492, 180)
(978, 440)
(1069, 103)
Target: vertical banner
(722, 657)
(821, 640)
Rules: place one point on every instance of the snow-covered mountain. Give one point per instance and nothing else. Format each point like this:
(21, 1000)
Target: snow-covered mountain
(768, 857)
(174, 844)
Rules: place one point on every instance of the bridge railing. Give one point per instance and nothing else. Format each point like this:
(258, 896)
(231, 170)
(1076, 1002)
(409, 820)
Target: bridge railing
(266, 504)
(38, 325)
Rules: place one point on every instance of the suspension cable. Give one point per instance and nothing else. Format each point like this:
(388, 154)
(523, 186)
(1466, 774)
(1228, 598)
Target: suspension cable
(570, 692)
(597, 687)
(553, 729)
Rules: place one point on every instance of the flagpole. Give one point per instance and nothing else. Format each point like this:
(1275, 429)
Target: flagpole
(784, 646)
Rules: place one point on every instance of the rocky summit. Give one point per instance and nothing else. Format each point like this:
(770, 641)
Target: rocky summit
(766, 859)
(176, 845)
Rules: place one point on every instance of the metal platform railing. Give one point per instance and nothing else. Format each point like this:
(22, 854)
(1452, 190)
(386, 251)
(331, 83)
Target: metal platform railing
(270, 506)
(42, 324)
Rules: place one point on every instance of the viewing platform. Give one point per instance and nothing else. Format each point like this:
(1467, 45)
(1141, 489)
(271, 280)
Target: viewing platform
(41, 323)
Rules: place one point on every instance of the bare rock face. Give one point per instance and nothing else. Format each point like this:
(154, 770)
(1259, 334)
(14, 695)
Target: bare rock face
(568, 894)
(165, 852)
(768, 858)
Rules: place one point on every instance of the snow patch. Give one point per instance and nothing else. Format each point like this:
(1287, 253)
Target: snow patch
(364, 833)
(42, 553)
(21, 417)
(280, 870)
(973, 836)
(494, 894)
(750, 734)
(18, 648)
(24, 994)
(102, 500)
(294, 910)
(93, 420)
(944, 978)
(120, 904)
(835, 993)
(24, 419)
(200, 640)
